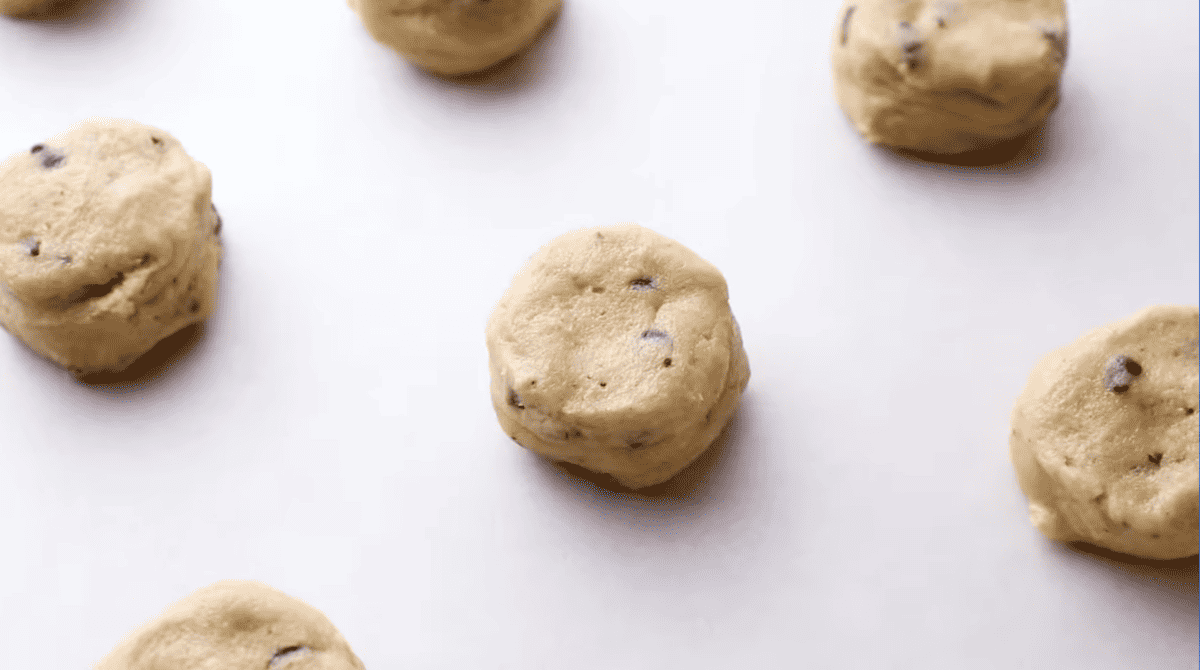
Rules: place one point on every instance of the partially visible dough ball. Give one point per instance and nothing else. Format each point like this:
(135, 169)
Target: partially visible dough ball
(453, 37)
(108, 243)
(944, 76)
(1104, 436)
(615, 349)
(235, 625)
(27, 7)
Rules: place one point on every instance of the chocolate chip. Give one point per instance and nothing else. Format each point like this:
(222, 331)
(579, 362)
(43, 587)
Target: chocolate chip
(34, 246)
(155, 140)
(603, 384)
(1189, 410)
(216, 228)
(1155, 458)
(36, 148)
(846, 23)
(514, 400)
(910, 44)
(654, 334)
(52, 160)
(636, 445)
(643, 284)
(666, 362)
(194, 306)
(1120, 373)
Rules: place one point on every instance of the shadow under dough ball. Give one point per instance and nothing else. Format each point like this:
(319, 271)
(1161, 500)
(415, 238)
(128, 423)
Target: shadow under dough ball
(454, 37)
(235, 625)
(1104, 437)
(108, 243)
(944, 76)
(615, 349)
(27, 7)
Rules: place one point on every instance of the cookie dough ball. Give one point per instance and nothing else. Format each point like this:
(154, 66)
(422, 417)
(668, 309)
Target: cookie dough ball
(945, 76)
(614, 349)
(1104, 437)
(235, 625)
(108, 243)
(453, 37)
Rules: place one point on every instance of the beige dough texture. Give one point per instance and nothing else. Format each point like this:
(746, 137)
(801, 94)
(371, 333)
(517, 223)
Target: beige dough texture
(235, 625)
(944, 76)
(27, 7)
(108, 243)
(453, 37)
(615, 349)
(1104, 437)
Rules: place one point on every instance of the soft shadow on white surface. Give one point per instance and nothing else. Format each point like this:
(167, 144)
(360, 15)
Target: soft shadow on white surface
(75, 16)
(1174, 581)
(534, 69)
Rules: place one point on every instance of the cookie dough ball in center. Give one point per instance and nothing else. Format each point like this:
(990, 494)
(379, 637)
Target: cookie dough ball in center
(453, 37)
(615, 349)
(235, 625)
(948, 76)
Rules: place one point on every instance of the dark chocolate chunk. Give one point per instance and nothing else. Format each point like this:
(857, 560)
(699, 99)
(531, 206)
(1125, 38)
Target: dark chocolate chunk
(36, 148)
(643, 284)
(1189, 410)
(514, 400)
(846, 23)
(1120, 373)
(1155, 458)
(910, 44)
(666, 362)
(52, 160)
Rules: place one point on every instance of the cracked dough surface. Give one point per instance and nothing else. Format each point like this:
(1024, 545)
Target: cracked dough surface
(615, 349)
(235, 625)
(452, 37)
(1104, 436)
(108, 243)
(946, 76)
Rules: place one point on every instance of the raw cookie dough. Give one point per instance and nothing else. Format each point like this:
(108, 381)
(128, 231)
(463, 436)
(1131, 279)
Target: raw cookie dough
(108, 243)
(1104, 437)
(946, 76)
(235, 625)
(453, 37)
(615, 349)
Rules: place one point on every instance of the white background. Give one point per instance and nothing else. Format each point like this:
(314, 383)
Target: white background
(330, 431)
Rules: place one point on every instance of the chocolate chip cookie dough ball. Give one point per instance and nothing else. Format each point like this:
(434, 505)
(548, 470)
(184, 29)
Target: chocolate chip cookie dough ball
(615, 349)
(453, 37)
(235, 625)
(946, 76)
(1104, 437)
(108, 243)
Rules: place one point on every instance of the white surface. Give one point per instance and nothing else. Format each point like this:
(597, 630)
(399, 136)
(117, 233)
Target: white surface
(331, 433)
